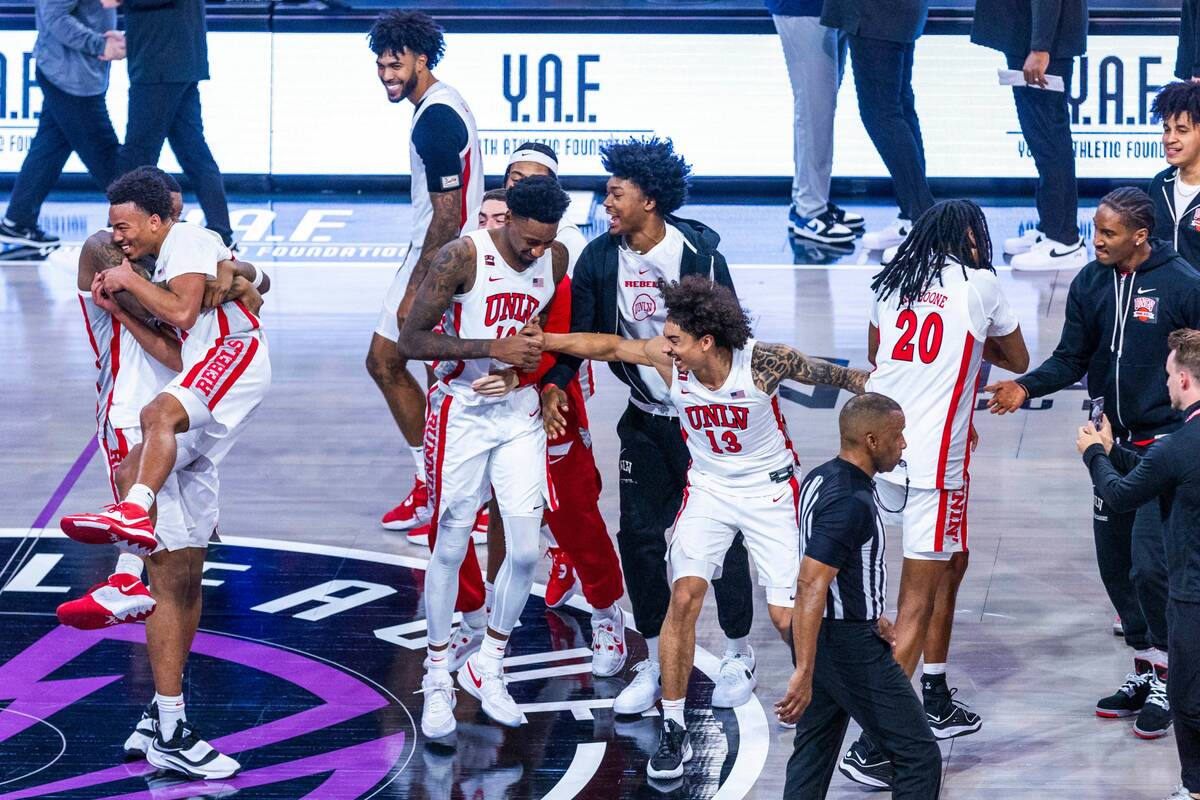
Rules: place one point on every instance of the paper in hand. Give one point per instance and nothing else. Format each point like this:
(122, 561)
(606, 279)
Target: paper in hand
(1015, 77)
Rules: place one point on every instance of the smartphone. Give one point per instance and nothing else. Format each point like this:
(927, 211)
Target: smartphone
(1097, 414)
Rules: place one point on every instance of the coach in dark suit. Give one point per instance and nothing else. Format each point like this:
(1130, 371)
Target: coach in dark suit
(168, 57)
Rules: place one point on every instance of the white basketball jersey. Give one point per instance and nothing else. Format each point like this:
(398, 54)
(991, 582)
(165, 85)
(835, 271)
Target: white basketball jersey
(472, 171)
(499, 303)
(928, 362)
(736, 434)
(128, 378)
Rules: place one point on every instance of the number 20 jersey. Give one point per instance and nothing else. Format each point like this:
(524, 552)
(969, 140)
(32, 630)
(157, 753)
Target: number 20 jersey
(498, 304)
(929, 360)
(736, 434)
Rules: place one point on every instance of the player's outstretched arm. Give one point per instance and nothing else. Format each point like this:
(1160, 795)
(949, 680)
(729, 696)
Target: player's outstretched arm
(453, 270)
(609, 347)
(774, 363)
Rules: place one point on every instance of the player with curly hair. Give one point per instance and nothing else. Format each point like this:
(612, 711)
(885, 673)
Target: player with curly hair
(743, 472)
(1176, 190)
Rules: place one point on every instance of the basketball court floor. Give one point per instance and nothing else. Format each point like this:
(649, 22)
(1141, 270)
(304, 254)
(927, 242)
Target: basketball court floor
(312, 637)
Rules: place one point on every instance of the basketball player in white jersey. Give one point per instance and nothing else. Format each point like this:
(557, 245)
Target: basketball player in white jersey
(938, 313)
(447, 190)
(743, 474)
(488, 290)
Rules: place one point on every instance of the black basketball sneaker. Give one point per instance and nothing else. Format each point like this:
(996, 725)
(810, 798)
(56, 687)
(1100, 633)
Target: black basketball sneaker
(674, 750)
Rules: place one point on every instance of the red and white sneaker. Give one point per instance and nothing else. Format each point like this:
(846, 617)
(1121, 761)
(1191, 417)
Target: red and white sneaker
(479, 532)
(608, 645)
(124, 524)
(561, 585)
(412, 513)
(121, 598)
(419, 536)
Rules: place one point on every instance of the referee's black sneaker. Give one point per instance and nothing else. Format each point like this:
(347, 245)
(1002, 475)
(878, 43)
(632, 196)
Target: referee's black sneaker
(1154, 720)
(1131, 696)
(674, 750)
(866, 765)
(947, 717)
(186, 753)
(11, 233)
(855, 222)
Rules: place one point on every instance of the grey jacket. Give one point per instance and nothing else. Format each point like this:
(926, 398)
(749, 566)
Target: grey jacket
(69, 43)
(900, 21)
(1015, 27)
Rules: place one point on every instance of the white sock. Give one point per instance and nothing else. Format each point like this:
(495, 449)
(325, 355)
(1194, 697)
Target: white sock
(738, 647)
(476, 619)
(170, 713)
(489, 595)
(673, 709)
(491, 653)
(418, 455)
(129, 564)
(141, 495)
(935, 669)
(652, 649)
(610, 614)
(437, 655)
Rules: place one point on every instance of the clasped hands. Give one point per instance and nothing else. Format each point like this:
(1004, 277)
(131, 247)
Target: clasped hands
(523, 350)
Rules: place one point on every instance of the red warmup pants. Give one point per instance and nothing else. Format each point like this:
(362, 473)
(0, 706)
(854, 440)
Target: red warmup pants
(577, 525)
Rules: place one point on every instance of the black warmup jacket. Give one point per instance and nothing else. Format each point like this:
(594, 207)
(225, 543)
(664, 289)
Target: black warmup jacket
(1169, 471)
(594, 294)
(1116, 331)
(1179, 226)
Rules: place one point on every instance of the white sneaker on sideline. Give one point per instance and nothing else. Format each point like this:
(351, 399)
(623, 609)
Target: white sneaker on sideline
(891, 236)
(888, 255)
(489, 689)
(608, 645)
(642, 692)
(437, 713)
(736, 682)
(1015, 245)
(1049, 256)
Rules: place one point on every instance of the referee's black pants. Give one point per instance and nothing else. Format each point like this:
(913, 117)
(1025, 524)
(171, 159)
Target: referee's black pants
(855, 675)
(1183, 687)
(653, 473)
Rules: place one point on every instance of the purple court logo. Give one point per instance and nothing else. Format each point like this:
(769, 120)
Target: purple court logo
(305, 670)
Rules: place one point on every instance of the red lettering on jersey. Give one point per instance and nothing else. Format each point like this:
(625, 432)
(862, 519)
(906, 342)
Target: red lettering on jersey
(718, 415)
(228, 353)
(933, 298)
(956, 517)
(509, 306)
(641, 284)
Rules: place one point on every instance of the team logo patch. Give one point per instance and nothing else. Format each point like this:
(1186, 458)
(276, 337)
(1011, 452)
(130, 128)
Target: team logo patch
(1196, 220)
(1145, 309)
(644, 307)
(451, 182)
(489, 261)
(305, 670)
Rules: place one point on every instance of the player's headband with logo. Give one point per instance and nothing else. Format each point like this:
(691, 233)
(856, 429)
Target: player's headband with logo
(536, 157)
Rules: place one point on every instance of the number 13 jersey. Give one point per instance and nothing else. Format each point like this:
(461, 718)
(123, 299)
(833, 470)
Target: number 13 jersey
(498, 304)
(736, 434)
(928, 361)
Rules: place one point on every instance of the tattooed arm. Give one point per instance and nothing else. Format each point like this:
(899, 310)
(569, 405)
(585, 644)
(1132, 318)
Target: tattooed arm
(443, 229)
(453, 271)
(774, 363)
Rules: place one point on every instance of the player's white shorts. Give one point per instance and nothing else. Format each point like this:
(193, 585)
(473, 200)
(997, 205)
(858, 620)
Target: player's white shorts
(223, 389)
(187, 508)
(473, 451)
(934, 521)
(387, 326)
(708, 521)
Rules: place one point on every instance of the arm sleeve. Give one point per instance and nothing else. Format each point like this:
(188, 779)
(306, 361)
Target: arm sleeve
(1045, 24)
(1153, 475)
(834, 530)
(68, 30)
(1070, 359)
(583, 313)
(439, 136)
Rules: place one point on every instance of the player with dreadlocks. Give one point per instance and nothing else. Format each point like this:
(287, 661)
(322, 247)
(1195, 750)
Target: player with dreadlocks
(1176, 190)
(938, 312)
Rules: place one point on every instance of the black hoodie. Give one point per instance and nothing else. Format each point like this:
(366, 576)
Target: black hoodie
(1177, 226)
(1124, 353)
(594, 294)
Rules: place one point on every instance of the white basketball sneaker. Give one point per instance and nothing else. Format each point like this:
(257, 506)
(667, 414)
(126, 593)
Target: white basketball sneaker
(186, 753)
(464, 642)
(891, 236)
(489, 688)
(1050, 256)
(1021, 244)
(437, 715)
(608, 645)
(642, 692)
(138, 743)
(736, 682)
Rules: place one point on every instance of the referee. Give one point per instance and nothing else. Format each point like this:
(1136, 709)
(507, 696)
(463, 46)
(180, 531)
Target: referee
(844, 664)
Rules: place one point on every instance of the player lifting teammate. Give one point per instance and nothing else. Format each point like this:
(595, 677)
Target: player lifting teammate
(938, 312)
(743, 473)
(447, 189)
(487, 290)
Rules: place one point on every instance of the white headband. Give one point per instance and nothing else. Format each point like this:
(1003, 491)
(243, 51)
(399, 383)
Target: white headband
(536, 157)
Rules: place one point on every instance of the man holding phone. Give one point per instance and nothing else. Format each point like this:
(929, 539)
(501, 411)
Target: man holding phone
(1120, 309)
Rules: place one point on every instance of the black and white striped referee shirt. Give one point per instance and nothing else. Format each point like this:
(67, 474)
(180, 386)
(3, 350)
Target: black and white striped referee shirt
(840, 526)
